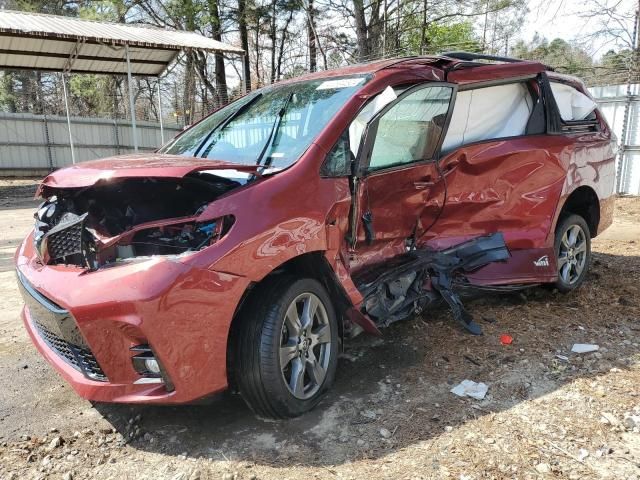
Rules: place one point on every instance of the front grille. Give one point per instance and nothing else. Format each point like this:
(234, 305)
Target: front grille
(59, 345)
(89, 364)
(59, 331)
(65, 239)
(78, 357)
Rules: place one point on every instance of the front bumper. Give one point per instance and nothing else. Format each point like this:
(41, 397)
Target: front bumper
(182, 312)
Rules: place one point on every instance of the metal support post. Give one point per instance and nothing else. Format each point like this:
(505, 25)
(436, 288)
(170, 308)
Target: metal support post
(66, 107)
(132, 105)
(243, 80)
(160, 113)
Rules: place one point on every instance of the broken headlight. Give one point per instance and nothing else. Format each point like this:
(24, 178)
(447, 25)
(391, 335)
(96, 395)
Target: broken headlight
(172, 239)
(62, 237)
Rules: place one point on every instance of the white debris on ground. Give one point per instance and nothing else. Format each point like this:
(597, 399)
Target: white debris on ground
(584, 348)
(469, 388)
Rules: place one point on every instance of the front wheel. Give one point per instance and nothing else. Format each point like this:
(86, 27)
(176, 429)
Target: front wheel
(287, 347)
(573, 252)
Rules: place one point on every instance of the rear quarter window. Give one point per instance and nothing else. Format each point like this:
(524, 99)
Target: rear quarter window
(573, 105)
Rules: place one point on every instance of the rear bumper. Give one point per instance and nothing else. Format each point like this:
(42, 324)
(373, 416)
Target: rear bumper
(182, 312)
(607, 208)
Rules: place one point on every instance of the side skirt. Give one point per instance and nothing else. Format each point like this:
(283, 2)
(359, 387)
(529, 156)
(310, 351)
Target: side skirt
(529, 266)
(410, 282)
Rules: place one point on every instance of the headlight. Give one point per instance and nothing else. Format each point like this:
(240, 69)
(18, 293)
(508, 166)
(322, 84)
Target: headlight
(171, 239)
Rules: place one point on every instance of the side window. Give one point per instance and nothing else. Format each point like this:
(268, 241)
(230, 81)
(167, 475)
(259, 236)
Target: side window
(338, 161)
(577, 110)
(489, 113)
(409, 131)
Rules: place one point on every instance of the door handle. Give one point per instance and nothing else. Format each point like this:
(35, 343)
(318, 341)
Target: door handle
(424, 182)
(451, 165)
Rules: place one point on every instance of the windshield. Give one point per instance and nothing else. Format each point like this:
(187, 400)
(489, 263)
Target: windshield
(274, 125)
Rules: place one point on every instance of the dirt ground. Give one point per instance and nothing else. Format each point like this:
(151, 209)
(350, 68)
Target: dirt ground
(548, 413)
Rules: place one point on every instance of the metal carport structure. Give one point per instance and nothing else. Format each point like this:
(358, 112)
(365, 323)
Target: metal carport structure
(53, 43)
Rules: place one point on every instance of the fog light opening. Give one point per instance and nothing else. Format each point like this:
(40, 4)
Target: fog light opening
(151, 364)
(149, 367)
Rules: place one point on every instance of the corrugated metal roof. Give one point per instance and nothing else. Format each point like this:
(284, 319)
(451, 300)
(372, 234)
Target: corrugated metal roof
(46, 42)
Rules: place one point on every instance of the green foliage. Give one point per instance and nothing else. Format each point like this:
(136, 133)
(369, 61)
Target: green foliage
(440, 36)
(296, 71)
(455, 36)
(90, 94)
(559, 54)
(8, 98)
(55, 7)
(614, 67)
(564, 57)
(104, 10)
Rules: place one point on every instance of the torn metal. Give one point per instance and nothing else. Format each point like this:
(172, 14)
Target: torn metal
(412, 281)
(129, 218)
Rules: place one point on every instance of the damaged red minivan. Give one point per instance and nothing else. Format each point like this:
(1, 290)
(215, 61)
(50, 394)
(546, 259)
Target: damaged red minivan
(243, 253)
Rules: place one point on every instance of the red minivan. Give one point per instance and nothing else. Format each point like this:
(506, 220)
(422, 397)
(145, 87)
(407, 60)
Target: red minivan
(243, 253)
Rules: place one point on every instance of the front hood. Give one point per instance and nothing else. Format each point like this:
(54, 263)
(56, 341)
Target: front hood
(154, 165)
(135, 206)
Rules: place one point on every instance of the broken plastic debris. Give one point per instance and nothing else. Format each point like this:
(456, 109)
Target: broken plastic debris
(584, 348)
(610, 418)
(582, 454)
(564, 358)
(506, 339)
(469, 388)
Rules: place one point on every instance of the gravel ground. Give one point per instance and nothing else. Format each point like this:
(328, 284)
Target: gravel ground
(548, 413)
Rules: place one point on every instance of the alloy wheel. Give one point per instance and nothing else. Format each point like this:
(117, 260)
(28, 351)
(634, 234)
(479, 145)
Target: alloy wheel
(305, 346)
(572, 255)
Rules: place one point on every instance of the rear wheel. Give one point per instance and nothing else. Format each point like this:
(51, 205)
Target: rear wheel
(287, 348)
(573, 252)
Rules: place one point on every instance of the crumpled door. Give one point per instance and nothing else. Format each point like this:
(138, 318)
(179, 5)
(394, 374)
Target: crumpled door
(396, 171)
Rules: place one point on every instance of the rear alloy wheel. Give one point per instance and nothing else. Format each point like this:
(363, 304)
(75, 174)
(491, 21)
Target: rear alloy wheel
(287, 347)
(573, 252)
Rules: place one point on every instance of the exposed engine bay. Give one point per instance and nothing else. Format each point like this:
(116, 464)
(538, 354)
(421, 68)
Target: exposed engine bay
(128, 218)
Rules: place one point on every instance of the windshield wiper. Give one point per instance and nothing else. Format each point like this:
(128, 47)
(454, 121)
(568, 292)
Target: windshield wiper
(272, 134)
(222, 125)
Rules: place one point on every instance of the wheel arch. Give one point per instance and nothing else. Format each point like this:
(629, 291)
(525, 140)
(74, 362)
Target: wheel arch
(582, 201)
(307, 265)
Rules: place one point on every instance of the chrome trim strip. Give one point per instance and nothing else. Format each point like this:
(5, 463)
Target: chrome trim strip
(38, 296)
(145, 380)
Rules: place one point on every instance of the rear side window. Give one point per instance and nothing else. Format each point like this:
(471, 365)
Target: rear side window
(488, 113)
(577, 110)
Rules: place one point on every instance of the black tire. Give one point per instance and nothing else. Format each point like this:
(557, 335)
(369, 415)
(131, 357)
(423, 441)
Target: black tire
(573, 261)
(260, 337)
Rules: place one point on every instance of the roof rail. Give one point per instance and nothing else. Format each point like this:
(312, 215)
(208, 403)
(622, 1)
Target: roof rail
(470, 57)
